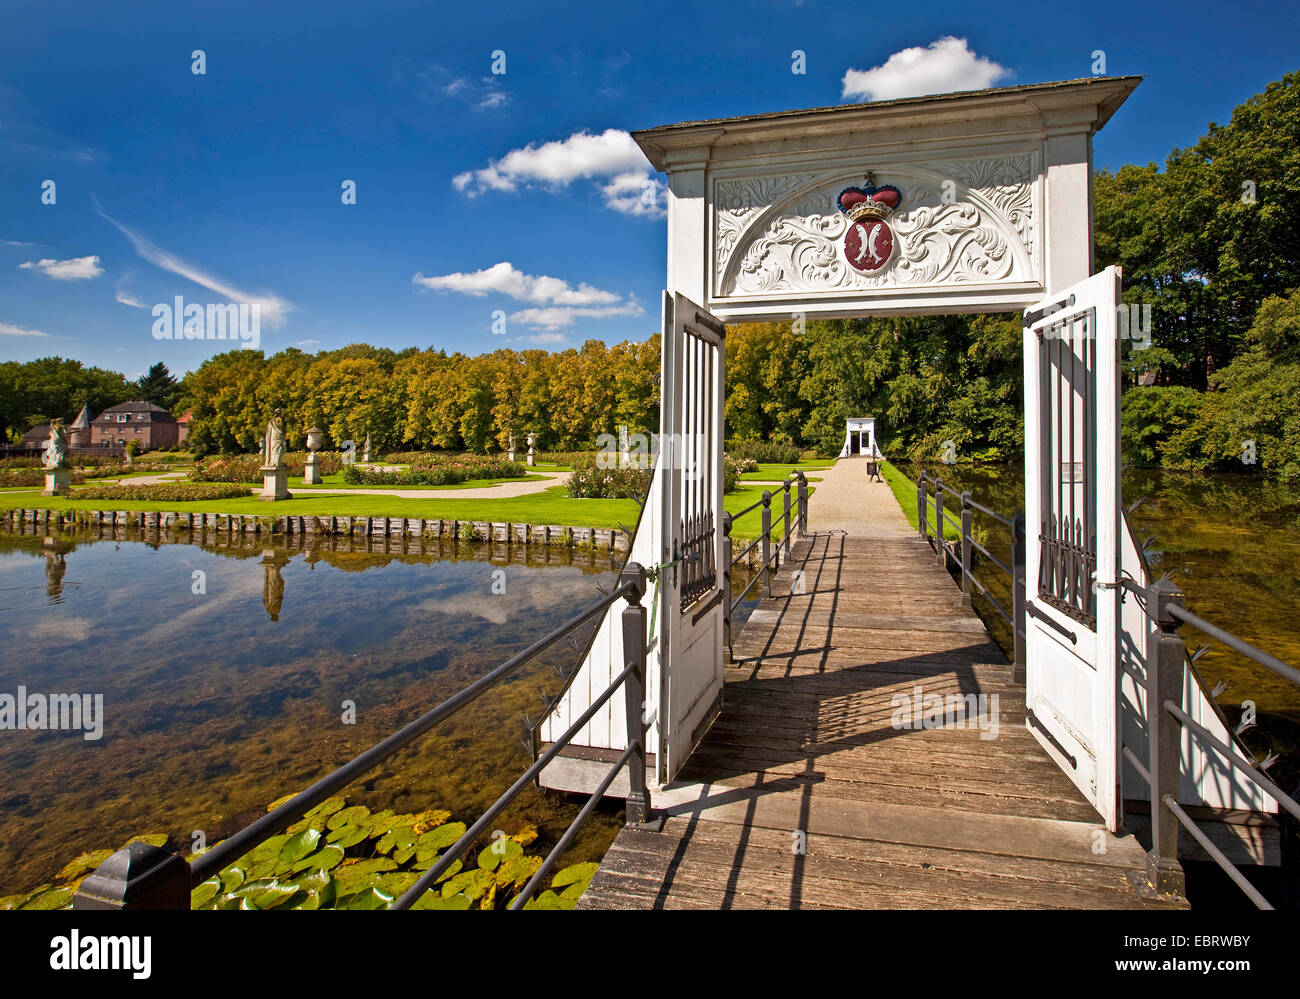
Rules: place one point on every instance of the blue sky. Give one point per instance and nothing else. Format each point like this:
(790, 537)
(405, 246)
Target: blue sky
(227, 186)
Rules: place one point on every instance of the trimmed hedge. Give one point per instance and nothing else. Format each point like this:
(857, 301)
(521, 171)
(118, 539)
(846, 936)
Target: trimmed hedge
(170, 492)
(767, 452)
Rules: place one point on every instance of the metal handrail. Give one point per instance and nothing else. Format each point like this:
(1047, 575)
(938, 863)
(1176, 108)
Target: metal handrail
(107, 887)
(963, 550)
(1166, 655)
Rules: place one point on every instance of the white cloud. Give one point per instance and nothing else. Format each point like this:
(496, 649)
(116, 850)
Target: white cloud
(612, 155)
(435, 84)
(9, 329)
(507, 280)
(74, 269)
(944, 66)
(557, 317)
(307, 343)
(273, 308)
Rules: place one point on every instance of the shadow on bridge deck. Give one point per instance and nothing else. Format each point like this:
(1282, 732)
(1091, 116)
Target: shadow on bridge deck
(809, 792)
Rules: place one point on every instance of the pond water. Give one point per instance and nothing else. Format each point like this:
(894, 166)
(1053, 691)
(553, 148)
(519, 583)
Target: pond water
(1231, 543)
(225, 667)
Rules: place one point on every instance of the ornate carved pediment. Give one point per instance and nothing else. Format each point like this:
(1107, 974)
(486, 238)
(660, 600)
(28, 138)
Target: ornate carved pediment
(970, 221)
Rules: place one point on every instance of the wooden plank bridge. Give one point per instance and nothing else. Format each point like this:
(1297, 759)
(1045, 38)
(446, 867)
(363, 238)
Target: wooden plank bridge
(808, 792)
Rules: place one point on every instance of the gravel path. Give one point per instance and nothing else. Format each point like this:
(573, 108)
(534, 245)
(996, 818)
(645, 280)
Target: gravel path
(502, 490)
(846, 501)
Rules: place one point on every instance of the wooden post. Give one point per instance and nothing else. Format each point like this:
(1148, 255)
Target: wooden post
(1165, 654)
(967, 549)
(938, 524)
(767, 540)
(921, 506)
(1019, 594)
(726, 587)
(803, 504)
(787, 527)
(138, 876)
(634, 639)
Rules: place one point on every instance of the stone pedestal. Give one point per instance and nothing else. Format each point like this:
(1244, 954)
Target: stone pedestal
(275, 482)
(311, 474)
(56, 482)
(531, 460)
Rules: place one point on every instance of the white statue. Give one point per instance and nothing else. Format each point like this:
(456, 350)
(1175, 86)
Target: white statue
(273, 442)
(56, 448)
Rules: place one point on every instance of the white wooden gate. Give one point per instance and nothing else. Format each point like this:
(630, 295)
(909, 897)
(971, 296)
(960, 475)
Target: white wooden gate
(1072, 510)
(690, 584)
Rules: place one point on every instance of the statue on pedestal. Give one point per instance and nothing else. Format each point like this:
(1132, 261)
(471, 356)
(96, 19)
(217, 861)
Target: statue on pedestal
(273, 442)
(532, 452)
(56, 448)
(365, 448)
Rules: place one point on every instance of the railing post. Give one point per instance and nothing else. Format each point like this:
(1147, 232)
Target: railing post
(938, 524)
(726, 588)
(767, 540)
(138, 876)
(921, 506)
(1019, 593)
(967, 549)
(634, 639)
(1165, 654)
(787, 528)
(803, 504)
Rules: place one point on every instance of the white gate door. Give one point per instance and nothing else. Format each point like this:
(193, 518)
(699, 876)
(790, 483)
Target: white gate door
(690, 584)
(1072, 516)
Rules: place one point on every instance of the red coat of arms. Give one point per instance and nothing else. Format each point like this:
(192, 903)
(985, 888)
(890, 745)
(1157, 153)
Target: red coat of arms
(869, 241)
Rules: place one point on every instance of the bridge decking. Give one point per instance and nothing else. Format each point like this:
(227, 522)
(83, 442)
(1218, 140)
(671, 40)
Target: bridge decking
(893, 818)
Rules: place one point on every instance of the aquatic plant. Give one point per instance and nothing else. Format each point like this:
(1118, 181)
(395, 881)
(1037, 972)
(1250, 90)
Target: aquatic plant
(341, 856)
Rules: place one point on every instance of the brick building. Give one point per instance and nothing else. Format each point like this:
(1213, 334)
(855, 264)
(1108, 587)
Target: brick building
(151, 425)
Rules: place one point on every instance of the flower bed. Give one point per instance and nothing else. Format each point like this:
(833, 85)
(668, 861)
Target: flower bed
(441, 473)
(248, 467)
(13, 477)
(171, 492)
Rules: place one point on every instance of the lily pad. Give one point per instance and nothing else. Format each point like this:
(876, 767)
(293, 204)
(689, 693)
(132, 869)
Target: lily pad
(325, 859)
(397, 836)
(54, 898)
(525, 835)
(501, 849)
(153, 839)
(472, 883)
(517, 870)
(430, 819)
(299, 846)
(548, 900)
(574, 874)
(327, 807)
(432, 900)
(370, 898)
(348, 836)
(281, 801)
(347, 816)
(205, 893)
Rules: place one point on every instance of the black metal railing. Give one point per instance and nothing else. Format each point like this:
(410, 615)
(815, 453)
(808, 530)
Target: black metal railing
(1166, 659)
(769, 559)
(962, 554)
(145, 877)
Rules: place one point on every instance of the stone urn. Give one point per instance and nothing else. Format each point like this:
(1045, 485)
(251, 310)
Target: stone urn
(311, 473)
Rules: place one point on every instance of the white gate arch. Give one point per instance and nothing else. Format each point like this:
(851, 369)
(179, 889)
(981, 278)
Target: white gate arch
(991, 212)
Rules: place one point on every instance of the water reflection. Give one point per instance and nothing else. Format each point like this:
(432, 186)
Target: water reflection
(220, 698)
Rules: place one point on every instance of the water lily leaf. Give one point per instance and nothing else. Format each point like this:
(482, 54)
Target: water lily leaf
(548, 900)
(443, 836)
(381, 822)
(352, 877)
(327, 807)
(323, 897)
(490, 899)
(575, 890)
(525, 835)
(472, 883)
(299, 846)
(14, 901)
(54, 898)
(517, 870)
(325, 859)
(425, 821)
(278, 894)
(500, 849)
(205, 893)
(397, 882)
(404, 853)
(347, 816)
(432, 900)
(574, 874)
(397, 836)
(452, 870)
(86, 862)
(280, 801)
(233, 877)
(370, 898)
(348, 836)
(268, 848)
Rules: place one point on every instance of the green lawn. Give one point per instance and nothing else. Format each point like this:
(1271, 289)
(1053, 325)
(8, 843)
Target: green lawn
(551, 506)
(904, 490)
